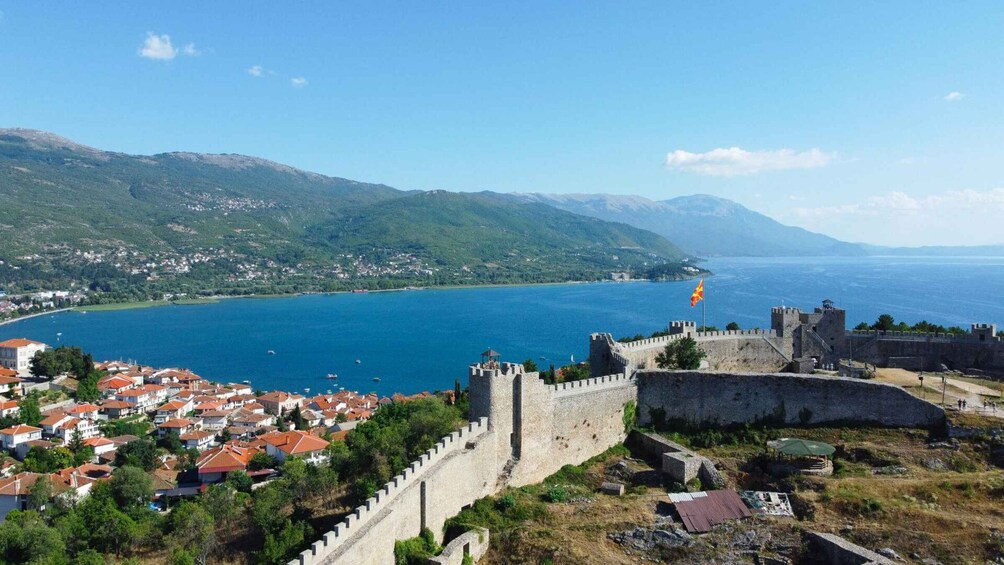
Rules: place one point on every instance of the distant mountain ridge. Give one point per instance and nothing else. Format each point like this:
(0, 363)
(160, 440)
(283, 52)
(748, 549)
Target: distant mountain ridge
(703, 225)
(74, 214)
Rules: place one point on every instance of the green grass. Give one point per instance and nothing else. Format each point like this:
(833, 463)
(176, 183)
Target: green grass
(194, 301)
(121, 306)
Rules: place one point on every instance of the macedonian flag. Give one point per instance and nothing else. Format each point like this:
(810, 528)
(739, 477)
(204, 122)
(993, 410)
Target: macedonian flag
(698, 294)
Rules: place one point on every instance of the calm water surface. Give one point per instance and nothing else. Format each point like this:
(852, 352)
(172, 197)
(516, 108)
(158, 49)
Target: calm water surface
(423, 340)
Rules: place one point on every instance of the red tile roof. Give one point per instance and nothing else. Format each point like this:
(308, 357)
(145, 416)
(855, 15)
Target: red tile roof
(19, 342)
(295, 442)
(20, 429)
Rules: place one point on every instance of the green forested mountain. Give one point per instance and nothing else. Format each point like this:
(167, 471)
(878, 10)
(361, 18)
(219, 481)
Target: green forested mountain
(235, 224)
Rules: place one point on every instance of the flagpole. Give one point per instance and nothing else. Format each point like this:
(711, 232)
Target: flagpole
(704, 312)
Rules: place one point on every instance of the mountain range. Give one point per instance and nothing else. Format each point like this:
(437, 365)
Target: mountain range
(232, 223)
(210, 223)
(704, 225)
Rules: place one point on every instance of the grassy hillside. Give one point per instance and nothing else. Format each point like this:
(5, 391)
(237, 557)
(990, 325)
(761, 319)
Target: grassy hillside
(143, 225)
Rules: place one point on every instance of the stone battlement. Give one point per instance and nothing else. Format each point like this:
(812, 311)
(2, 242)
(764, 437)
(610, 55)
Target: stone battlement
(785, 310)
(355, 522)
(504, 369)
(924, 336)
(591, 384)
(698, 336)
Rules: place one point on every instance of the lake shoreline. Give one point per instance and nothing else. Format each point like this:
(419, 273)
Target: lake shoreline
(215, 299)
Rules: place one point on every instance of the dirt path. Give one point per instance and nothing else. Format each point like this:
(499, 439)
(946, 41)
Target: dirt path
(954, 390)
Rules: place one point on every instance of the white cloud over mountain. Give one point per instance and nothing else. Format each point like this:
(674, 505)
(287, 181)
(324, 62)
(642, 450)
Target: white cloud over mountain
(956, 217)
(734, 161)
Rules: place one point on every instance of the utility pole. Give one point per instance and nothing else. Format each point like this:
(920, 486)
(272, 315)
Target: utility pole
(944, 384)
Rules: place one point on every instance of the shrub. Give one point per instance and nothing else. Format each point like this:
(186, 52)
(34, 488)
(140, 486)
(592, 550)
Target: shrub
(505, 502)
(556, 493)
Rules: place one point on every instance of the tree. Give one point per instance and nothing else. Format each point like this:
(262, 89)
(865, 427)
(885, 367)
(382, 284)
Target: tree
(192, 529)
(296, 417)
(862, 326)
(885, 322)
(262, 460)
(87, 389)
(224, 503)
(681, 354)
(732, 327)
(703, 329)
(131, 487)
(28, 410)
(26, 538)
(239, 481)
(41, 460)
(40, 493)
(141, 453)
(529, 365)
(65, 359)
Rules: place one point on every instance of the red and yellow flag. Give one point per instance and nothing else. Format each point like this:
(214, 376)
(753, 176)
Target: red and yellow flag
(698, 294)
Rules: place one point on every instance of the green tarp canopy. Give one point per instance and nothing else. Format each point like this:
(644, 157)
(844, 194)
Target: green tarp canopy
(801, 447)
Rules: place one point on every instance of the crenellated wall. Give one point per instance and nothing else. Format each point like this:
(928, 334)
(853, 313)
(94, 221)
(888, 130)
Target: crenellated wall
(454, 473)
(752, 350)
(722, 399)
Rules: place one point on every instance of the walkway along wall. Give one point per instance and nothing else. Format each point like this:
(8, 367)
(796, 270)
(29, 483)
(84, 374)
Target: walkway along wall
(709, 398)
(749, 350)
(523, 430)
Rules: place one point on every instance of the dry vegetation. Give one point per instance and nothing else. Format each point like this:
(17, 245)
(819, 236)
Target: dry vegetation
(922, 496)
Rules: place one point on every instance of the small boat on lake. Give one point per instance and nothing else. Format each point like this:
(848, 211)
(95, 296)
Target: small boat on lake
(270, 352)
(332, 376)
(376, 379)
(358, 361)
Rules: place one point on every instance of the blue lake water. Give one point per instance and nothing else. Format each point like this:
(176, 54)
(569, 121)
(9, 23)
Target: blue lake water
(423, 340)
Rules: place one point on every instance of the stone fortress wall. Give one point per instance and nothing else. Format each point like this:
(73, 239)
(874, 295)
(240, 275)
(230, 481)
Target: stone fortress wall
(704, 399)
(798, 341)
(523, 430)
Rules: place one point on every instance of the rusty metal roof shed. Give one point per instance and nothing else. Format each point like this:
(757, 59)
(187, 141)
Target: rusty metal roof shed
(701, 513)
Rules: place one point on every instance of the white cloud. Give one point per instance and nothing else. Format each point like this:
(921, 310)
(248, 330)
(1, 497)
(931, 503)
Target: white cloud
(191, 51)
(256, 71)
(955, 217)
(954, 96)
(158, 47)
(298, 82)
(733, 161)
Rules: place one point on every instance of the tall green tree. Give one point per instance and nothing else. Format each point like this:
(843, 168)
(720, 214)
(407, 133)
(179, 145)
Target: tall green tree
(26, 538)
(131, 487)
(28, 410)
(192, 528)
(40, 493)
(682, 354)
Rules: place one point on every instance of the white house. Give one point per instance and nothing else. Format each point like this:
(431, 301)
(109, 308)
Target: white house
(17, 353)
(198, 439)
(9, 383)
(14, 435)
(52, 422)
(87, 428)
(8, 408)
(295, 443)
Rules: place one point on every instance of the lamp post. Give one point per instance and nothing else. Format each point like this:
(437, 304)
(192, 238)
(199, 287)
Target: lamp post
(944, 384)
(923, 393)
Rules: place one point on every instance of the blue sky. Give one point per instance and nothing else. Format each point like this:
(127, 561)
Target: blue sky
(839, 117)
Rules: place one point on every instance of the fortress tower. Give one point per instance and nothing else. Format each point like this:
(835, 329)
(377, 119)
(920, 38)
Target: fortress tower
(508, 396)
(683, 327)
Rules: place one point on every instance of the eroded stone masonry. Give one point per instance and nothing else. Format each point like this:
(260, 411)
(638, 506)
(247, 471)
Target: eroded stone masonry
(523, 430)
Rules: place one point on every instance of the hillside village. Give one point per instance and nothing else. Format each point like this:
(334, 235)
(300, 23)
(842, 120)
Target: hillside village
(204, 431)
